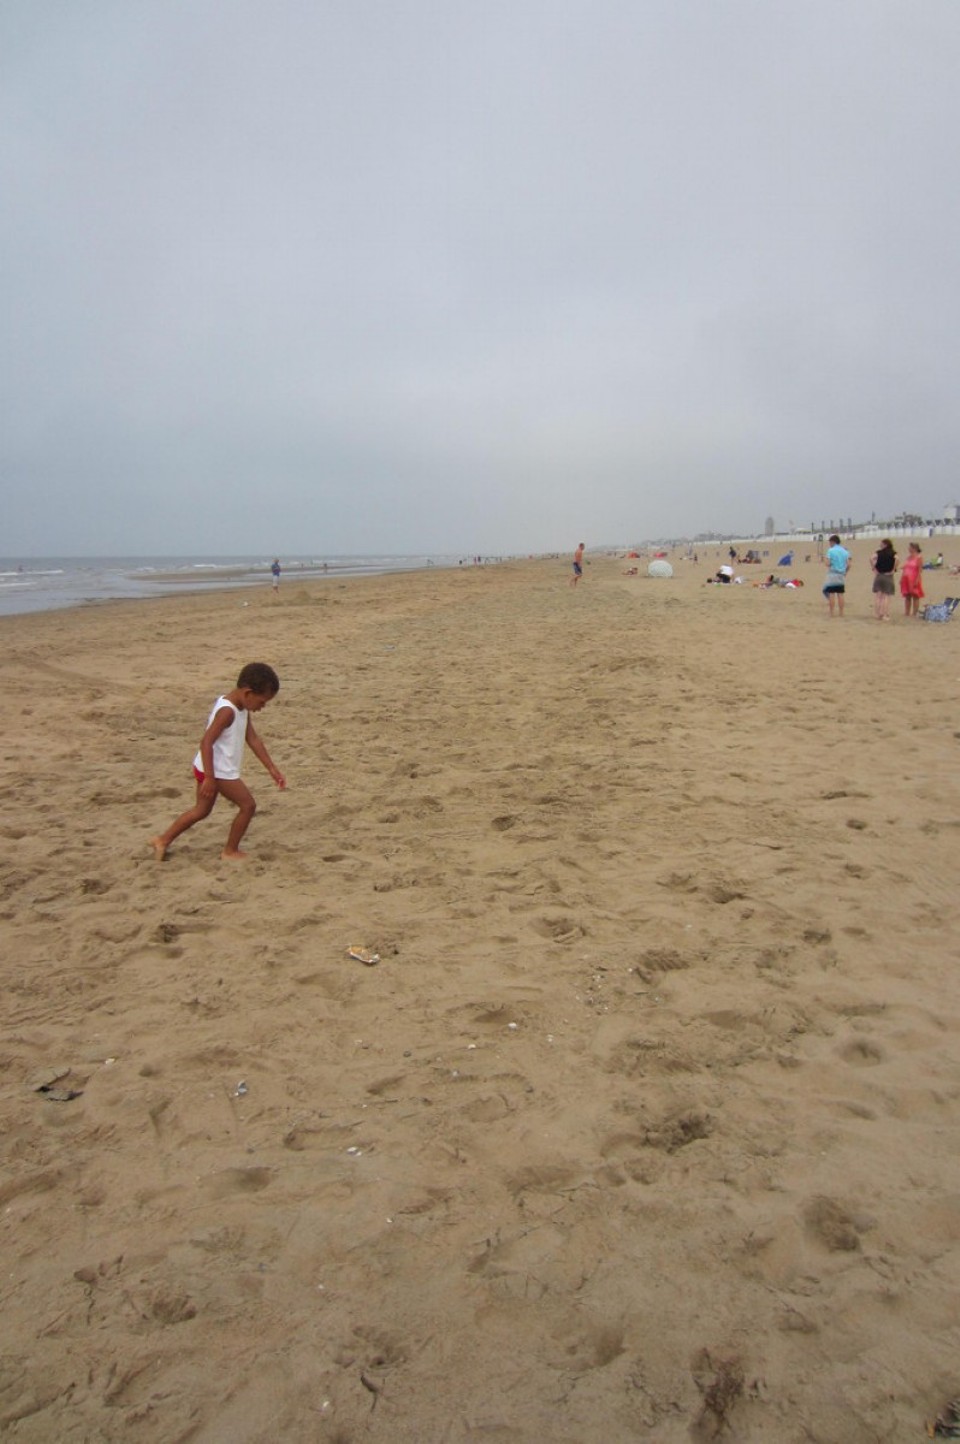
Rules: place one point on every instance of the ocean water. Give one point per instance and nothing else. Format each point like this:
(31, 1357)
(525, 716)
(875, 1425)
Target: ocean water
(40, 584)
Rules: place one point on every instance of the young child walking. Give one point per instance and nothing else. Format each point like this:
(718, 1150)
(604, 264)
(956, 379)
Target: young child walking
(218, 764)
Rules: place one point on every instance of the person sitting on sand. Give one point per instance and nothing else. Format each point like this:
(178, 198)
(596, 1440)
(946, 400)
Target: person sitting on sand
(218, 763)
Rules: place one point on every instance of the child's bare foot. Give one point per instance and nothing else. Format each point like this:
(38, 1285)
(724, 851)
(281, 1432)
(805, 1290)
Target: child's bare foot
(159, 848)
(233, 856)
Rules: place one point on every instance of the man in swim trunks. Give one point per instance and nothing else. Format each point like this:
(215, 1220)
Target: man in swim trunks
(577, 565)
(838, 564)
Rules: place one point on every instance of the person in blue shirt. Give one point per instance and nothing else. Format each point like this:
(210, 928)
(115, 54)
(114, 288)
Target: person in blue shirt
(838, 561)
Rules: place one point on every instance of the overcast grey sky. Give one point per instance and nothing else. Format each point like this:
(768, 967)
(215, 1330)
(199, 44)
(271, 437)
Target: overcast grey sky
(473, 275)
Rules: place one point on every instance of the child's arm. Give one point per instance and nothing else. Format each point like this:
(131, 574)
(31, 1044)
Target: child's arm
(220, 723)
(258, 748)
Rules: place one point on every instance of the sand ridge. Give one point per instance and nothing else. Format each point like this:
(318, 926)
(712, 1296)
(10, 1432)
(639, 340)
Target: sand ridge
(644, 1125)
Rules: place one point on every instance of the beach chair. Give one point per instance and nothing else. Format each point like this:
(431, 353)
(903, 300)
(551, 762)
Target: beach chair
(940, 611)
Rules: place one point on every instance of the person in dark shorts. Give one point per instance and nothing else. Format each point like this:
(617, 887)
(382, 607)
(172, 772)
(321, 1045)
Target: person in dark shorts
(838, 565)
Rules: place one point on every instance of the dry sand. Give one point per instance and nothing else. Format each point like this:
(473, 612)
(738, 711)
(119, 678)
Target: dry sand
(644, 1126)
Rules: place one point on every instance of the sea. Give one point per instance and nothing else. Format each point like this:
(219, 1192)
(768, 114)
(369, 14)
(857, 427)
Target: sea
(41, 584)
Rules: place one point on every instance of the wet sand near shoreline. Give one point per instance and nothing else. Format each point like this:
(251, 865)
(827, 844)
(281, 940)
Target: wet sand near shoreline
(643, 1126)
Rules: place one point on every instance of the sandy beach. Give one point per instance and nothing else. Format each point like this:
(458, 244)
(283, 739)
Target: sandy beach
(643, 1127)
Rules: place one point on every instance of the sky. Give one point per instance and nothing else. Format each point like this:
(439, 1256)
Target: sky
(473, 276)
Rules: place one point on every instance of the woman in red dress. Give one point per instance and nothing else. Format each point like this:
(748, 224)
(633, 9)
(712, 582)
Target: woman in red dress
(911, 581)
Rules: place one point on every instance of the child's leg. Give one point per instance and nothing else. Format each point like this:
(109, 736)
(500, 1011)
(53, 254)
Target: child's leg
(202, 808)
(242, 798)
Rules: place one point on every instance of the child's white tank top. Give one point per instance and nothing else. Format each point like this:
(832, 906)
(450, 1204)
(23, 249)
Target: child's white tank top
(228, 748)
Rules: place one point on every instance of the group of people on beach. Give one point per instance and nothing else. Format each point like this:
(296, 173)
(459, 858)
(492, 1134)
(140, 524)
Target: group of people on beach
(884, 565)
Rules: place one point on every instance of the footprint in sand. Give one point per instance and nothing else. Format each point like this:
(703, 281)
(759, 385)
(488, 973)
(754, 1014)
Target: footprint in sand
(239, 1180)
(517, 1263)
(656, 961)
(862, 1052)
(94, 886)
(559, 928)
(496, 1015)
(679, 1130)
(830, 1224)
(584, 1346)
(488, 1108)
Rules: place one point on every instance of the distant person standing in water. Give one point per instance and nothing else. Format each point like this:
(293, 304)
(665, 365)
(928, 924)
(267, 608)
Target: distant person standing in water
(577, 565)
(911, 581)
(838, 565)
(275, 573)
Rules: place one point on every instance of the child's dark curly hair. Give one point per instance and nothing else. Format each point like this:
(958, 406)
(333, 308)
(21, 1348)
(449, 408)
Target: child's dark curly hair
(260, 679)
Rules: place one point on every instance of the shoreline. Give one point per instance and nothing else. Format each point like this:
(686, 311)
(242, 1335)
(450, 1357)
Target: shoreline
(64, 582)
(294, 591)
(664, 1025)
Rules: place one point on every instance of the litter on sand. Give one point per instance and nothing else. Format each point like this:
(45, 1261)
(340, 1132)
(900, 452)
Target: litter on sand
(49, 1082)
(363, 955)
(947, 1423)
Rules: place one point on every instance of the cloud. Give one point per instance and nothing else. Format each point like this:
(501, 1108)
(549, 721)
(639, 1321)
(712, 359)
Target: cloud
(473, 278)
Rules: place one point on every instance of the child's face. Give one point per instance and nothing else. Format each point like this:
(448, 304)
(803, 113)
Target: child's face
(255, 701)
